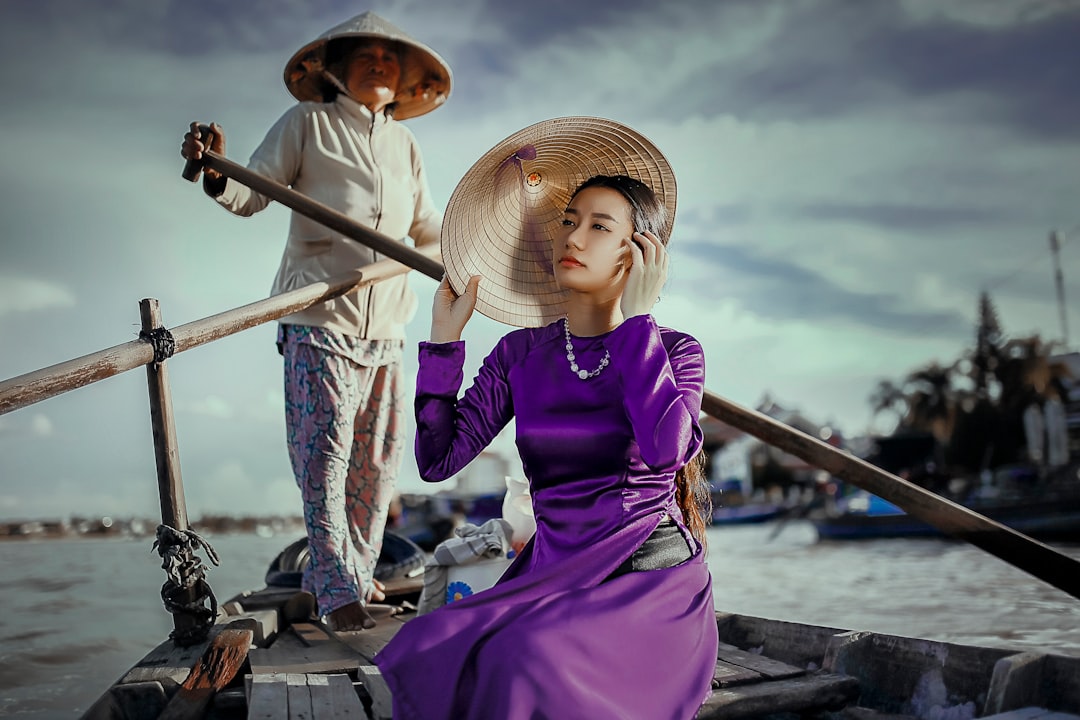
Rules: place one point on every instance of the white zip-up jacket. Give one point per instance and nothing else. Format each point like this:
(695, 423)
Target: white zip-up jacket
(366, 166)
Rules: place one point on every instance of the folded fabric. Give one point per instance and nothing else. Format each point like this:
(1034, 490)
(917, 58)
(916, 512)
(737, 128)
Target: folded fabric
(471, 544)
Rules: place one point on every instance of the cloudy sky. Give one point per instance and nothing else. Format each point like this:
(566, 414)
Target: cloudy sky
(852, 174)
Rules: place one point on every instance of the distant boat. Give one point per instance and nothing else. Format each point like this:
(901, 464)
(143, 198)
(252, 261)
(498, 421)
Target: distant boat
(747, 514)
(1049, 515)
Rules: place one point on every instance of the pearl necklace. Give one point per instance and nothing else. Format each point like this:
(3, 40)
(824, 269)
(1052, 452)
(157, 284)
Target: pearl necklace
(583, 374)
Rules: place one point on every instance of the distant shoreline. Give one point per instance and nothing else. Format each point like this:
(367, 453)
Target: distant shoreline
(108, 527)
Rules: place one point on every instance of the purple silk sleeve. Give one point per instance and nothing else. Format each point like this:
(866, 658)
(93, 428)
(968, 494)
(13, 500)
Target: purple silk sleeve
(451, 432)
(661, 391)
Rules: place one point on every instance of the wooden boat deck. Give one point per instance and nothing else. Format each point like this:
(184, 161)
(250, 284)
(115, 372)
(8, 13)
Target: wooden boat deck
(296, 669)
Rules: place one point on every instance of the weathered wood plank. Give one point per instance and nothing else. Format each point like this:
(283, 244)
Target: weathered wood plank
(725, 675)
(767, 667)
(1015, 682)
(170, 665)
(265, 623)
(166, 663)
(1033, 680)
(891, 668)
(301, 607)
(309, 634)
(803, 694)
(299, 697)
(333, 697)
(291, 654)
(404, 586)
(215, 669)
(382, 702)
(269, 697)
(794, 643)
(369, 642)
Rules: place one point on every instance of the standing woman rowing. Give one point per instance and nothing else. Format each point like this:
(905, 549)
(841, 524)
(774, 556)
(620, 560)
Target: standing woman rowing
(343, 145)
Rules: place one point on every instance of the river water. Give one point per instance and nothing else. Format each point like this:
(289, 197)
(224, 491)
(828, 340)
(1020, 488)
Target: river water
(78, 613)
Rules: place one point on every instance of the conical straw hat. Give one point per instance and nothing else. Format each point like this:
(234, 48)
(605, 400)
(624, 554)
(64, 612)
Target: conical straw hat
(425, 77)
(502, 217)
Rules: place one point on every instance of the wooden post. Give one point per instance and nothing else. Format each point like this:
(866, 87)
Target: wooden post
(166, 451)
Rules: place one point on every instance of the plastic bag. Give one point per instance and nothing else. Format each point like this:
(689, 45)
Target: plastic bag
(517, 510)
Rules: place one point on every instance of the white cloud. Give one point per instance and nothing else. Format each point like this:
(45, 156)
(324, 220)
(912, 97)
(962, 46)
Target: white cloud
(38, 425)
(987, 13)
(269, 407)
(232, 488)
(210, 406)
(27, 294)
(41, 425)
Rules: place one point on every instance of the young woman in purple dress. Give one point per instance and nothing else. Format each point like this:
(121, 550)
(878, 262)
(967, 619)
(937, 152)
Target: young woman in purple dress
(608, 610)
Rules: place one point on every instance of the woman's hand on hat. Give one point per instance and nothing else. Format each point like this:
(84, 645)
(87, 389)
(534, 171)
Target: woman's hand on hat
(450, 311)
(646, 275)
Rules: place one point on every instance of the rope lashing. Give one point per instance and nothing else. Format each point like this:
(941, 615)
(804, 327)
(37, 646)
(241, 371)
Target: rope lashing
(186, 590)
(162, 341)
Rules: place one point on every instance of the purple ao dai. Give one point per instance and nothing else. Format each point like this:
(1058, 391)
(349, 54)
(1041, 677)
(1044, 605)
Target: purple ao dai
(555, 638)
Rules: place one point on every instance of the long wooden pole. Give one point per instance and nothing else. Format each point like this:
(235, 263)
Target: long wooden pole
(1017, 549)
(33, 387)
(388, 246)
(1038, 559)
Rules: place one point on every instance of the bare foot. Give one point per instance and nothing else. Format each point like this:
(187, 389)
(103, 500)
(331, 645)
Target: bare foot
(377, 595)
(353, 616)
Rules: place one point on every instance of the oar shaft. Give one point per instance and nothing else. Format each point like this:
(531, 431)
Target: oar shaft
(388, 246)
(1031, 556)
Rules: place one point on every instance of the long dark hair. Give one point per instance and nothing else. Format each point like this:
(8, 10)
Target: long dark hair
(649, 214)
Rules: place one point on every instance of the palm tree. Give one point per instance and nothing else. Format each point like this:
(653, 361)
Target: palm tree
(988, 340)
(981, 424)
(887, 397)
(931, 400)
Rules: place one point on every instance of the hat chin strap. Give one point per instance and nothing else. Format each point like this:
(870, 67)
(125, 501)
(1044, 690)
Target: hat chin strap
(333, 80)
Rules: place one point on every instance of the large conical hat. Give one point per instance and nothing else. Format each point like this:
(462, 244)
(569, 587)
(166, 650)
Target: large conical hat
(502, 217)
(425, 77)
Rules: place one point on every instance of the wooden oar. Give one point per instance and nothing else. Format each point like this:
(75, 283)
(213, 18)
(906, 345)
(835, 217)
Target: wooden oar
(390, 247)
(1015, 548)
(216, 668)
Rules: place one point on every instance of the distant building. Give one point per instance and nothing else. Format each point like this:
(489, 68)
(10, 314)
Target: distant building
(1071, 399)
(735, 456)
(485, 475)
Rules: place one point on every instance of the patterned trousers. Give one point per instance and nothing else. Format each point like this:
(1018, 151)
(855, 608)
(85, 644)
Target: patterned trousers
(345, 423)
